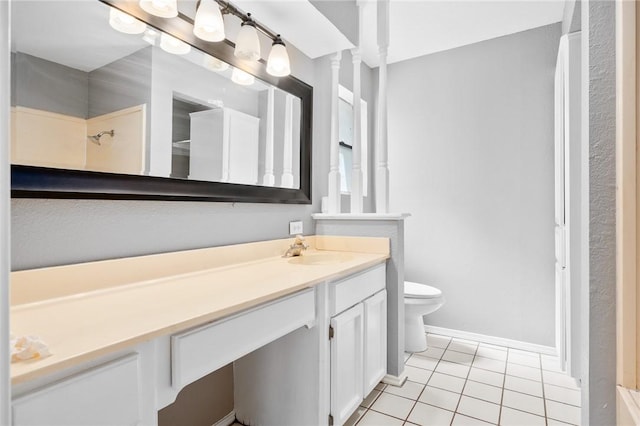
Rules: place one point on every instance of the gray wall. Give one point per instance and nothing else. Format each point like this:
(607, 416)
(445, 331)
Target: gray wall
(598, 298)
(45, 85)
(471, 158)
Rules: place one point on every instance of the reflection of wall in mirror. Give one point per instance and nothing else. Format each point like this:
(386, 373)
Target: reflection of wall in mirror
(53, 106)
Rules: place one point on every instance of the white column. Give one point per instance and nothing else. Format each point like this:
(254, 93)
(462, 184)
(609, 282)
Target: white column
(356, 171)
(382, 166)
(269, 179)
(5, 375)
(334, 167)
(287, 163)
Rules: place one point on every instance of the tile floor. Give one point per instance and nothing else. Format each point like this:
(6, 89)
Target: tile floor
(459, 382)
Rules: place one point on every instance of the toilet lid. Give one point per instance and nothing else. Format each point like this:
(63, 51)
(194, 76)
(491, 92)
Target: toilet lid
(420, 291)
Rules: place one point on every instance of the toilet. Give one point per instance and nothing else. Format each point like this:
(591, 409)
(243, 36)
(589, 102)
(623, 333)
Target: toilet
(419, 300)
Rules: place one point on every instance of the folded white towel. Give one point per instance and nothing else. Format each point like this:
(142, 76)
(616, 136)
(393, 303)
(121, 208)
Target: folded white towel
(28, 347)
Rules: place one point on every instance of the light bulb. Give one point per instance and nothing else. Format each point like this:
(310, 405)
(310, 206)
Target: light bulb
(171, 44)
(247, 44)
(125, 23)
(214, 64)
(278, 63)
(161, 8)
(209, 25)
(242, 78)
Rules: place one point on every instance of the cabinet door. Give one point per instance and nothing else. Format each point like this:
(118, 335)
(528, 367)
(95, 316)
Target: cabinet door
(375, 340)
(346, 363)
(103, 396)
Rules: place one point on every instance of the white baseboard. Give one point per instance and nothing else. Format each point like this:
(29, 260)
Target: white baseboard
(395, 380)
(226, 420)
(492, 340)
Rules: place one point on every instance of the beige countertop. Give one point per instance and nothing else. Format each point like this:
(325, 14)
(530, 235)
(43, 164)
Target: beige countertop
(97, 319)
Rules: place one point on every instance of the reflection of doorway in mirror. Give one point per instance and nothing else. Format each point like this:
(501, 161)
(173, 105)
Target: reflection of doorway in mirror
(345, 131)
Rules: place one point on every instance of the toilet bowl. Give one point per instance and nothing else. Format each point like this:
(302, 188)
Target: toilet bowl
(419, 300)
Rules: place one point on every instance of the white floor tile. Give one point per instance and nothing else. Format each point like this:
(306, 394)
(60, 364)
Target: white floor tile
(511, 417)
(479, 409)
(432, 352)
(489, 364)
(444, 381)
(559, 379)
(460, 420)
(453, 369)
(523, 371)
(552, 422)
(369, 399)
(485, 376)
(500, 355)
(440, 398)
(422, 362)
(355, 416)
(406, 356)
(527, 386)
(523, 402)
(563, 412)
(458, 357)
(483, 391)
(438, 341)
(560, 394)
(550, 363)
(371, 418)
(464, 346)
(428, 415)
(409, 390)
(528, 360)
(392, 405)
(418, 375)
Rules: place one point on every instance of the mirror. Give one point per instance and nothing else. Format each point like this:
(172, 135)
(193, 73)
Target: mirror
(100, 109)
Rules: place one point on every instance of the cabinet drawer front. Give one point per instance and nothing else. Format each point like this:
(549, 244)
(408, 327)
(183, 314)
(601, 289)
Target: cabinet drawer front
(200, 351)
(106, 395)
(346, 293)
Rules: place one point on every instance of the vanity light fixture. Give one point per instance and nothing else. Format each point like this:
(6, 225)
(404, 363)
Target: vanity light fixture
(242, 78)
(209, 25)
(171, 44)
(125, 23)
(248, 44)
(161, 8)
(278, 63)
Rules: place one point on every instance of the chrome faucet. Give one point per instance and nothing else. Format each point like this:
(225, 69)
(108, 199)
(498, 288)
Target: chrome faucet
(297, 247)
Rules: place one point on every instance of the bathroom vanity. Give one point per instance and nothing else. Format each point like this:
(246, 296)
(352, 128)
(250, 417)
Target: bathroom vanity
(307, 335)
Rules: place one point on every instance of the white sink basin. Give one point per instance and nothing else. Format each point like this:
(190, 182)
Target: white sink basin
(320, 258)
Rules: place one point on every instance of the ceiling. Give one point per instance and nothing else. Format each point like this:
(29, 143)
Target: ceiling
(421, 27)
(417, 27)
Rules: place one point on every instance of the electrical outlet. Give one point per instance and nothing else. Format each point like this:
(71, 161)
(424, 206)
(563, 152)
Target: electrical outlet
(295, 228)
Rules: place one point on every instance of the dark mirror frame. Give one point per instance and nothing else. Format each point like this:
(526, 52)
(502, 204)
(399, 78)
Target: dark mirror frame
(43, 182)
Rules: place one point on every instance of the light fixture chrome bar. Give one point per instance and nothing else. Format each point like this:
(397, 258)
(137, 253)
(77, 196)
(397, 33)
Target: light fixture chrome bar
(228, 8)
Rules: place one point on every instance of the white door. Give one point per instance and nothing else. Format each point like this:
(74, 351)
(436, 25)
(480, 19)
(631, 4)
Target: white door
(375, 340)
(346, 363)
(568, 211)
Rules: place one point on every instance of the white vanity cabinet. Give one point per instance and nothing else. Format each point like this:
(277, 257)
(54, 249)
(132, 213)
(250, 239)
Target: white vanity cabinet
(108, 394)
(358, 339)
